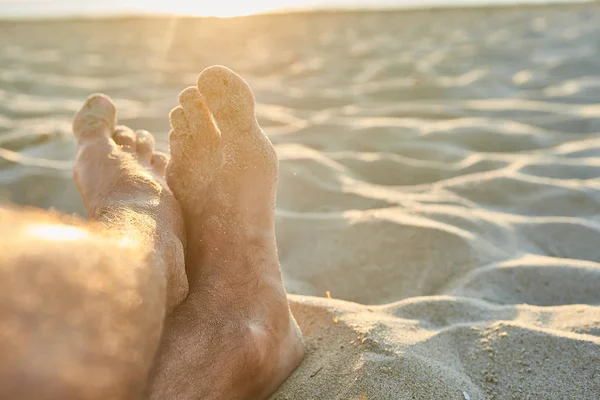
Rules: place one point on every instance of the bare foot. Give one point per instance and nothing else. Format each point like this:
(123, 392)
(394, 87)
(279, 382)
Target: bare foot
(122, 182)
(246, 342)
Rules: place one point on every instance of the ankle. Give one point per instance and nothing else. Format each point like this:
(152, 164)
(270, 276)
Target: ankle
(284, 353)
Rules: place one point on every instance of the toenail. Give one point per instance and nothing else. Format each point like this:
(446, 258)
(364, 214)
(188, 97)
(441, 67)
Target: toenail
(120, 130)
(124, 140)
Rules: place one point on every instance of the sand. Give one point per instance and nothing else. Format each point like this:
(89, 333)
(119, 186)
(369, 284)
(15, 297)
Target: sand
(438, 176)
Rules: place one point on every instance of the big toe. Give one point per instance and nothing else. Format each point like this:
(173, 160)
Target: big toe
(227, 94)
(97, 117)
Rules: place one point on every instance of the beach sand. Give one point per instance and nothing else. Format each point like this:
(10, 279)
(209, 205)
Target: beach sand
(439, 178)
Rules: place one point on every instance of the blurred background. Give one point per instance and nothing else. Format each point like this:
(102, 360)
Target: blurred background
(223, 8)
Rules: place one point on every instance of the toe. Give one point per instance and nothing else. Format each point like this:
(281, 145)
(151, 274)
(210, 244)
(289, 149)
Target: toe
(97, 118)
(198, 115)
(197, 112)
(144, 146)
(125, 138)
(159, 162)
(195, 137)
(226, 92)
(178, 120)
(196, 154)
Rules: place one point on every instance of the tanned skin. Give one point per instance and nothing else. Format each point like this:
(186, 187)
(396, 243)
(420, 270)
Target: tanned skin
(169, 291)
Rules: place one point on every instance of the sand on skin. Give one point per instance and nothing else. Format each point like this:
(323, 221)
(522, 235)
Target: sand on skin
(438, 175)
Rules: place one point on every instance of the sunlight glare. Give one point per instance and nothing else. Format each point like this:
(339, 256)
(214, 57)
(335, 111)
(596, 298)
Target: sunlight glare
(57, 232)
(216, 8)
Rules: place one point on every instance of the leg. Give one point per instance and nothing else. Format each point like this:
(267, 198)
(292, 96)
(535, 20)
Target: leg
(245, 342)
(82, 307)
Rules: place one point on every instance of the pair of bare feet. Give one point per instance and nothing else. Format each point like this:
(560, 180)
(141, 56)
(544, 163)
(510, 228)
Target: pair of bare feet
(229, 333)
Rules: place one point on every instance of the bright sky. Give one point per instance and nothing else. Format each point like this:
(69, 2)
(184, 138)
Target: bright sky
(221, 8)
